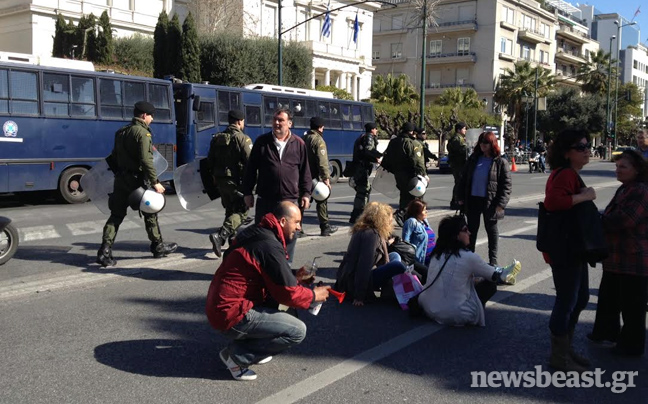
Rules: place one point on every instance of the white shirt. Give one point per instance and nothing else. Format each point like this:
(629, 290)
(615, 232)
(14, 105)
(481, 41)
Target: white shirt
(281, 145)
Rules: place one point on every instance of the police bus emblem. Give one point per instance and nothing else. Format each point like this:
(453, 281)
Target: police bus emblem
(10, 129)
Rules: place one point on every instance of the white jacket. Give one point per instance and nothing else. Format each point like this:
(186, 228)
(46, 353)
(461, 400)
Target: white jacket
(452, 300)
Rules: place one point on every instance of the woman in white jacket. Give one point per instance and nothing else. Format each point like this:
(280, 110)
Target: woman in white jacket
(452, 294)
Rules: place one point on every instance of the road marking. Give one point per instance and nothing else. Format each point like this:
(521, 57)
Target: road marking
(514, 232)
(335, 373)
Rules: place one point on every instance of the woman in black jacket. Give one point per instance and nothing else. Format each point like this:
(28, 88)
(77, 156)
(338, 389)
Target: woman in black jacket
(485, 190)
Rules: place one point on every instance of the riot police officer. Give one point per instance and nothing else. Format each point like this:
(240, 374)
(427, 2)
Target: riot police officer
(319, 168)
(421, 136)
(457, 157)
(404, 158)
(229, 152)
(365, 155)
(132, 162)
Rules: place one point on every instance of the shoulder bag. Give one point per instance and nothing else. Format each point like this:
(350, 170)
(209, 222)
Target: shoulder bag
(413, 306)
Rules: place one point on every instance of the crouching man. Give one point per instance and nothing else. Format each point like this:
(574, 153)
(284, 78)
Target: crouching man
(248, 286)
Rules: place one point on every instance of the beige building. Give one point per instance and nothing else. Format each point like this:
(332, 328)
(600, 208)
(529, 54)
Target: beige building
(476, 41)
(27, 26)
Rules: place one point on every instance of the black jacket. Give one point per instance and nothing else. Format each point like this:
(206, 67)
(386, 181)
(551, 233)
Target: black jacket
(498, 190)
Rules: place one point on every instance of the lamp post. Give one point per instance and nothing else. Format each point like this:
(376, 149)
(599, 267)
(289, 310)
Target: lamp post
(423, 62)
(616, 89)
(609, 89)
(527, 99)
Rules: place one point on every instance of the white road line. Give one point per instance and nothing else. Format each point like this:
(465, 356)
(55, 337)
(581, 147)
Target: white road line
(335, 373)
(37, 233)
(514, 232)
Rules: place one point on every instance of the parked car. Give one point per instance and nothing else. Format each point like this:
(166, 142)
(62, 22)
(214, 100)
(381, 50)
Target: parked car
(444, 166)
(620, 149)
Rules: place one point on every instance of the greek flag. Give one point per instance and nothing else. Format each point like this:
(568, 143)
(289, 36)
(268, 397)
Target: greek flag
(356, 29)
(326, 28)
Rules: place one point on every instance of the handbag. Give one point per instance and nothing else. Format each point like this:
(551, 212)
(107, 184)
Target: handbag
(406, 250)
(413, 306)
(406, 285)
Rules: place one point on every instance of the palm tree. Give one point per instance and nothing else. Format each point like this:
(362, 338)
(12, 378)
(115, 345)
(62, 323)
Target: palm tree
(455, 96)
(514, 85)
(393, 90)
(594, 73)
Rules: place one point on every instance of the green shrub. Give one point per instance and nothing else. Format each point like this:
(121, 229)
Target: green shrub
(135, 53)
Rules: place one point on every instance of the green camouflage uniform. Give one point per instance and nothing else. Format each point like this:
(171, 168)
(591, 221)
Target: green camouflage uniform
(457, 157)
(365, 154)
(319, 167)
(404, 156)
(229, 152)
(132, 161)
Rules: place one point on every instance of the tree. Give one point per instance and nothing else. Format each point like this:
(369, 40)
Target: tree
(84, 34)
(594, 73)
(59, 34)
(393, 90)
(514, 85)
(90, 48)
(105, 46)
(630, 100)
(190, 51)
(456, 96)
(174, 51)
(218, 15)
(160, 55)
(567, 109)
(338, 93)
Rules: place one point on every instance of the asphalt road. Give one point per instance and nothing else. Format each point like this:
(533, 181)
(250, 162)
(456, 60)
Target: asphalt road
(71, 332)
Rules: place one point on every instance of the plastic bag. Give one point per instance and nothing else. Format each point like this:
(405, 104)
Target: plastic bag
(406, 286)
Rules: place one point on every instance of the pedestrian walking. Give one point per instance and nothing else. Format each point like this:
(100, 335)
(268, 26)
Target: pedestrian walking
(319, 169)
(278, 167)
(132, 162)
(229, 152)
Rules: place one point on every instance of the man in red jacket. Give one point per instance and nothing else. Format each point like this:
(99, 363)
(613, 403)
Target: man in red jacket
(244, 294)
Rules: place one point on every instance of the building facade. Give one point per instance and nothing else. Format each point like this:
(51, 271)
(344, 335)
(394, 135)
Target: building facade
(475, 42)
(27, 26)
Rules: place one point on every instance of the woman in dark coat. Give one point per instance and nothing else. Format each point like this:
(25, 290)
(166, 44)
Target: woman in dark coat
(485, 190)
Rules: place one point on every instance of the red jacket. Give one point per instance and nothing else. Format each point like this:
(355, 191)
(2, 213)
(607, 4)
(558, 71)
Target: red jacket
(255, 270)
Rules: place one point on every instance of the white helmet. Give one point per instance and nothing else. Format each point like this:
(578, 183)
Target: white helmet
(321, 191)
(417, 186)
(146, 200)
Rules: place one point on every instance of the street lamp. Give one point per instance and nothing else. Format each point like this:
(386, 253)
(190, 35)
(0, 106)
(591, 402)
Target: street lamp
(616, 89)
(527, 99)
(609, 89)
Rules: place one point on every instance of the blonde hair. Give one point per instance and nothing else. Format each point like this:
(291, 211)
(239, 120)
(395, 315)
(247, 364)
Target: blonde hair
(377, 216)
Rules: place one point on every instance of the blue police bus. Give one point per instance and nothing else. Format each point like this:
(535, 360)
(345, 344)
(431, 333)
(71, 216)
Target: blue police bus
(201, 111)
(57, 123)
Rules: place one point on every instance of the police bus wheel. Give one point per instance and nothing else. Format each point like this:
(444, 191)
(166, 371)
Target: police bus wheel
(336, 171)
(70, 185)
(8, 243)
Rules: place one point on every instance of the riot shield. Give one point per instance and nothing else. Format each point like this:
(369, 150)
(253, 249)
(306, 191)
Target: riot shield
(159, 162)
(385, 183)
(98, 184)
(194, 185)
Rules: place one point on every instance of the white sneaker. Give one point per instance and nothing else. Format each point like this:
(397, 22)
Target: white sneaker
(238, 372)
(510, 272)
(264, 360)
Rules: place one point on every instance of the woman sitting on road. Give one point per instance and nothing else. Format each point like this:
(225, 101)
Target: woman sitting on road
(367, 266)
(624, 286)
(417, 230)
(454, 297)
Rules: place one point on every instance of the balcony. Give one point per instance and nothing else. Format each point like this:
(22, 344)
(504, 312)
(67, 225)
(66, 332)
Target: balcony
(451, 58)
(564, 78)
(570, 56)
(454, 26)
(437, 88)
(506, 56)
(573, 35)
(334, 51)
(386, 60)
(507, 25)
(532, 36)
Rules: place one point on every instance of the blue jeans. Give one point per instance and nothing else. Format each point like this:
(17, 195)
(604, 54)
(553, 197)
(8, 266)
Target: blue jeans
(383, 274)
(572, 295)
(263, 332)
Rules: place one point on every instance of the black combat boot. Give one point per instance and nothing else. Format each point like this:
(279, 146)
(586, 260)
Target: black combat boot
(104, 256)
(162, 249)
(218, 240)
(328, 230)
